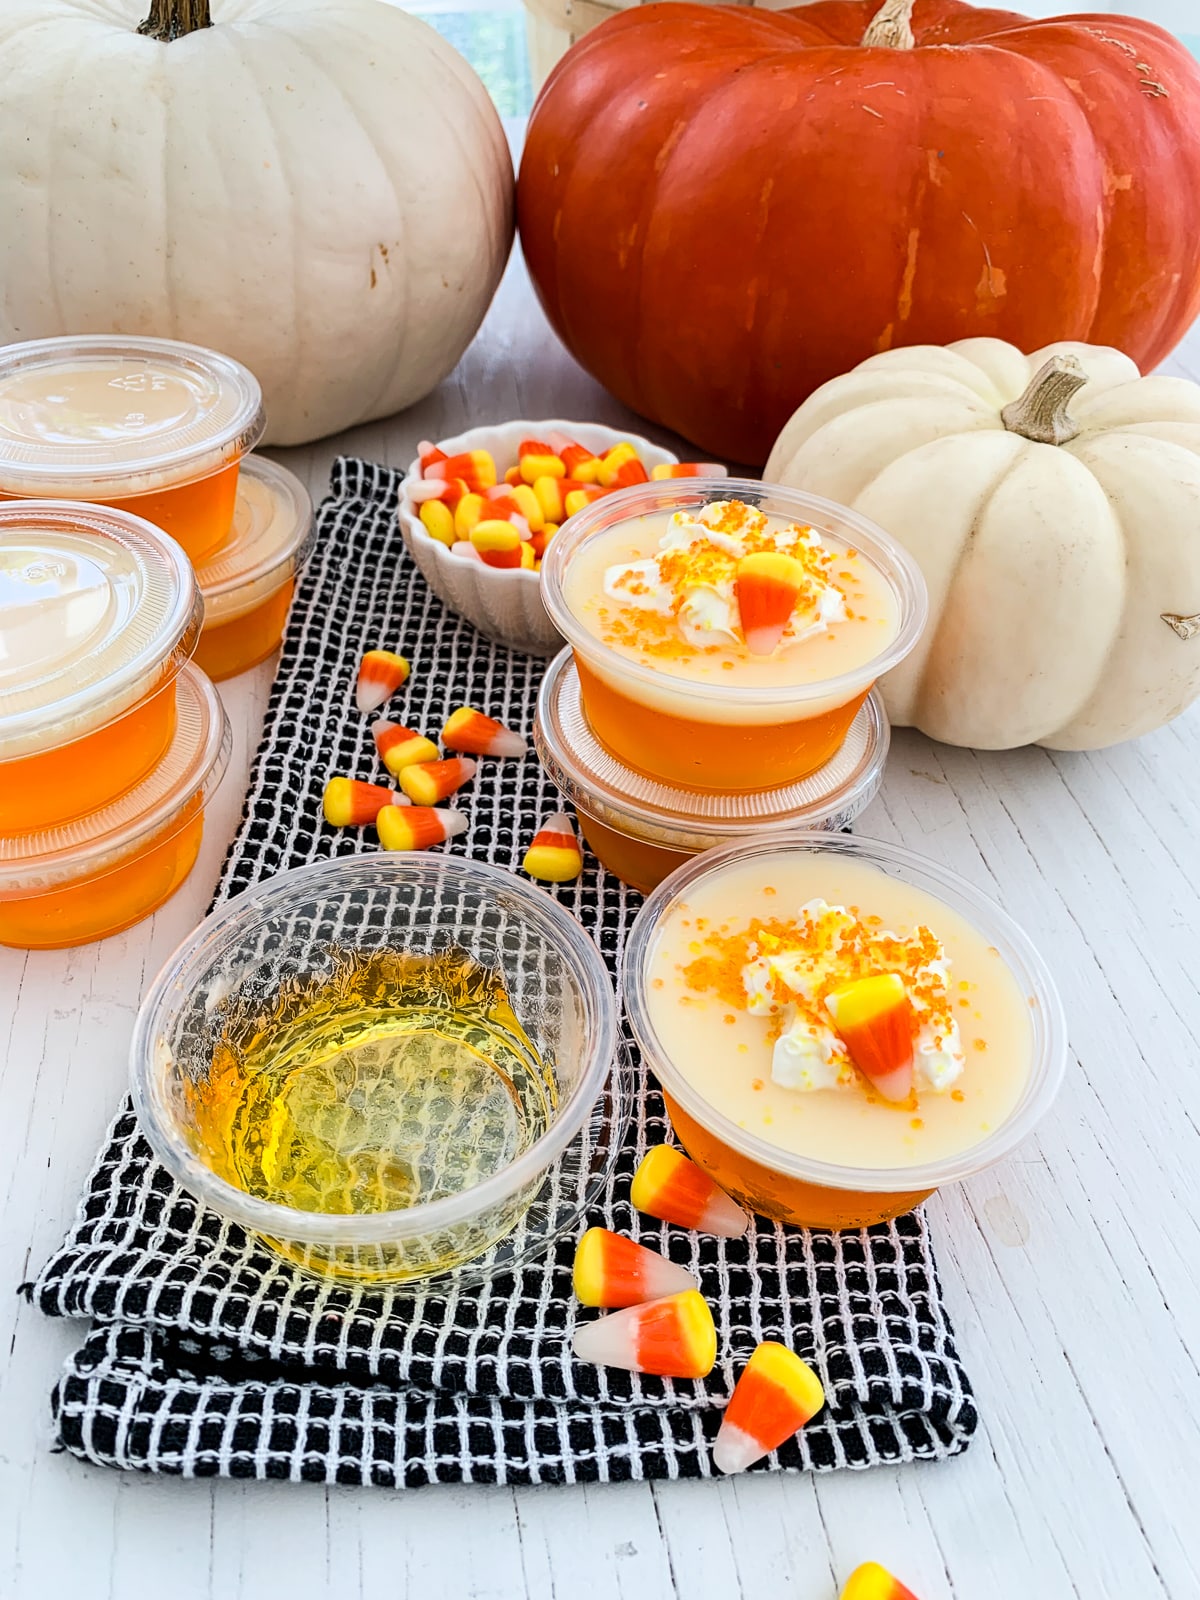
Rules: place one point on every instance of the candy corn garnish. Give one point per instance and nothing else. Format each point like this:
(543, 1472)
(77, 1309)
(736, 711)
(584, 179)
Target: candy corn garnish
(439, 521)
(670, 1187)
(672, 1338)
(471, 733)
(614, 1271)
(873, 1582)
(498, 543)
(768, 585)
(418, 827)
(427, 782)
(689, 469)
(400, 747)
(775, 1396)
(347, 803)
(380, 674)
(554, 856)
(875, 1021)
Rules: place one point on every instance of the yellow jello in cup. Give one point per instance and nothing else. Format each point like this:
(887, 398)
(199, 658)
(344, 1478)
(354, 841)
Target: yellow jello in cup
(151, 426)
(98, 613)
(248, 583)
(86, 879)
(747, 976)
(649, 588)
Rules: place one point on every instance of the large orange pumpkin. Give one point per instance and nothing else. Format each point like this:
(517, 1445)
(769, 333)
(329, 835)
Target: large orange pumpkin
(724, 207)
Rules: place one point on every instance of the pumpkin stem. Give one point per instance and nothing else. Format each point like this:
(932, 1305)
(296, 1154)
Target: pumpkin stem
(1185, 627)
(1040, 413)
(891, 26)
(171, 19)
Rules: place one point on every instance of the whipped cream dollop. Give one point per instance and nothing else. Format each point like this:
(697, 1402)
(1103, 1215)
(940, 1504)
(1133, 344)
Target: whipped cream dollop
(693, 575)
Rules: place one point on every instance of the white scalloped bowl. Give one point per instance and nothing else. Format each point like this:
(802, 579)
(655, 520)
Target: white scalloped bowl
(504, 604)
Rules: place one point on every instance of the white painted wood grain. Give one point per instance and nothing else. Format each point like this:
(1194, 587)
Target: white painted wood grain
(1070, 1271)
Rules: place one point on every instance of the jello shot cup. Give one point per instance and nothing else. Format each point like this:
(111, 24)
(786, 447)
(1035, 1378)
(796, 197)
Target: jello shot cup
(99, 611)
(670, 681)
(839, 1155)
(151, 426)
(249, 582)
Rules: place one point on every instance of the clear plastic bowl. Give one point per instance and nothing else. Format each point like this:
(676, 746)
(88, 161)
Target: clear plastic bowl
(800, 1189)
(641, 829)
(287, 942)
(708, 735)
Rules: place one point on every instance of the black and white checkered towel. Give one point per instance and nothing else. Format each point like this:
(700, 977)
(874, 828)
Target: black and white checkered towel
(210, 1356)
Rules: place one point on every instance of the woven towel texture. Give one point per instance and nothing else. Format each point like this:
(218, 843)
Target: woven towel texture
(211, 1357)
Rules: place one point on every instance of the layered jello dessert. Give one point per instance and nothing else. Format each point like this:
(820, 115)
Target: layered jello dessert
(151, 426)
(248, 583)
(839, 1026)
(726, 632)
(98, 613)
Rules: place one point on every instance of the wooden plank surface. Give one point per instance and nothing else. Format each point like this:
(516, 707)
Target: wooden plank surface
(1069, 1271)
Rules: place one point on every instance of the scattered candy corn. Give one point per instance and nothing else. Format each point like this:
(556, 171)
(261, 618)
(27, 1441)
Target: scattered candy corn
(427, 782)
(418, 827)
(874, 1019)
(670, 1187)
(873, 1582)
(554, 856)
(613, 1271)
(688, 469)
(347, 803)
(380, 674)
(471, 733)
(768, 585)
(400, 747)
(672, 1338)
(775, 1396)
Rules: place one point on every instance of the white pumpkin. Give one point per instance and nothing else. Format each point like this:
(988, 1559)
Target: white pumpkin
(1053, 502)
(321, 188)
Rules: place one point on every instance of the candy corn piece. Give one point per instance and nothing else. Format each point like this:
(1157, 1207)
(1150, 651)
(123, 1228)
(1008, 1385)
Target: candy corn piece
(775, 1396)
(612, 461)
(475, 467)
(418, 827)
(614, 1271)
(874, 1019)
(873, 1582)
(689, 469)
(535, 447)
(629, 473)
(549, 498)
(575, 499)
(467, 513)
(580, 463)
(438, 520)
(670, 1187)
(348, 803)
(498, 543)
(380, 674)
(541, 465)
(427, 782)
(429, 455)
(400, 747)
(471, 733)
(672, 1338)
(554, 856)
(768, 585)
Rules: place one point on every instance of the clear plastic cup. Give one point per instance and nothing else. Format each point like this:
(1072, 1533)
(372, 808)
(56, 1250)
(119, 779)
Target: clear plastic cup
(641, 829)
(800, 1189)
(151, 426)
(707, 735)
(98, 613)
(248, 583)
(286, 952)
(87, 879)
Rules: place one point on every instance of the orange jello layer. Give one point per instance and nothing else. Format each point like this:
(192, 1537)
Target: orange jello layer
(37, 791)
(232, 647)
(712, 755)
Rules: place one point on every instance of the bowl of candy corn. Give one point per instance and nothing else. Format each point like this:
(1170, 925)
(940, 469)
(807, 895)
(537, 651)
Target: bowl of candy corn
(478, 510)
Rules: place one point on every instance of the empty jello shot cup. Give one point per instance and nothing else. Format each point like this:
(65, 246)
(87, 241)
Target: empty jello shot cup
(641, 829)
(726, 632)
(73, 883)
(98, 613)
(840, 1026)
(151, 426)
(248, 583)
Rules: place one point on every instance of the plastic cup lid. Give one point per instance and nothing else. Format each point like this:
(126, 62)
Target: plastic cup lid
(96, 606)
(622, 798)
(190, 770)
(271, 539)
(104, 415)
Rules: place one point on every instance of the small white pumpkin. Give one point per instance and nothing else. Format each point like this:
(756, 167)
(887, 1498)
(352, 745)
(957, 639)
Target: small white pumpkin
(1053, 502)
(321, 188)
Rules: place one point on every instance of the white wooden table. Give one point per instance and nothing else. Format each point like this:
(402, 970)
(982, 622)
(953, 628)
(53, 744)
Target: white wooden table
(1070, 1271)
